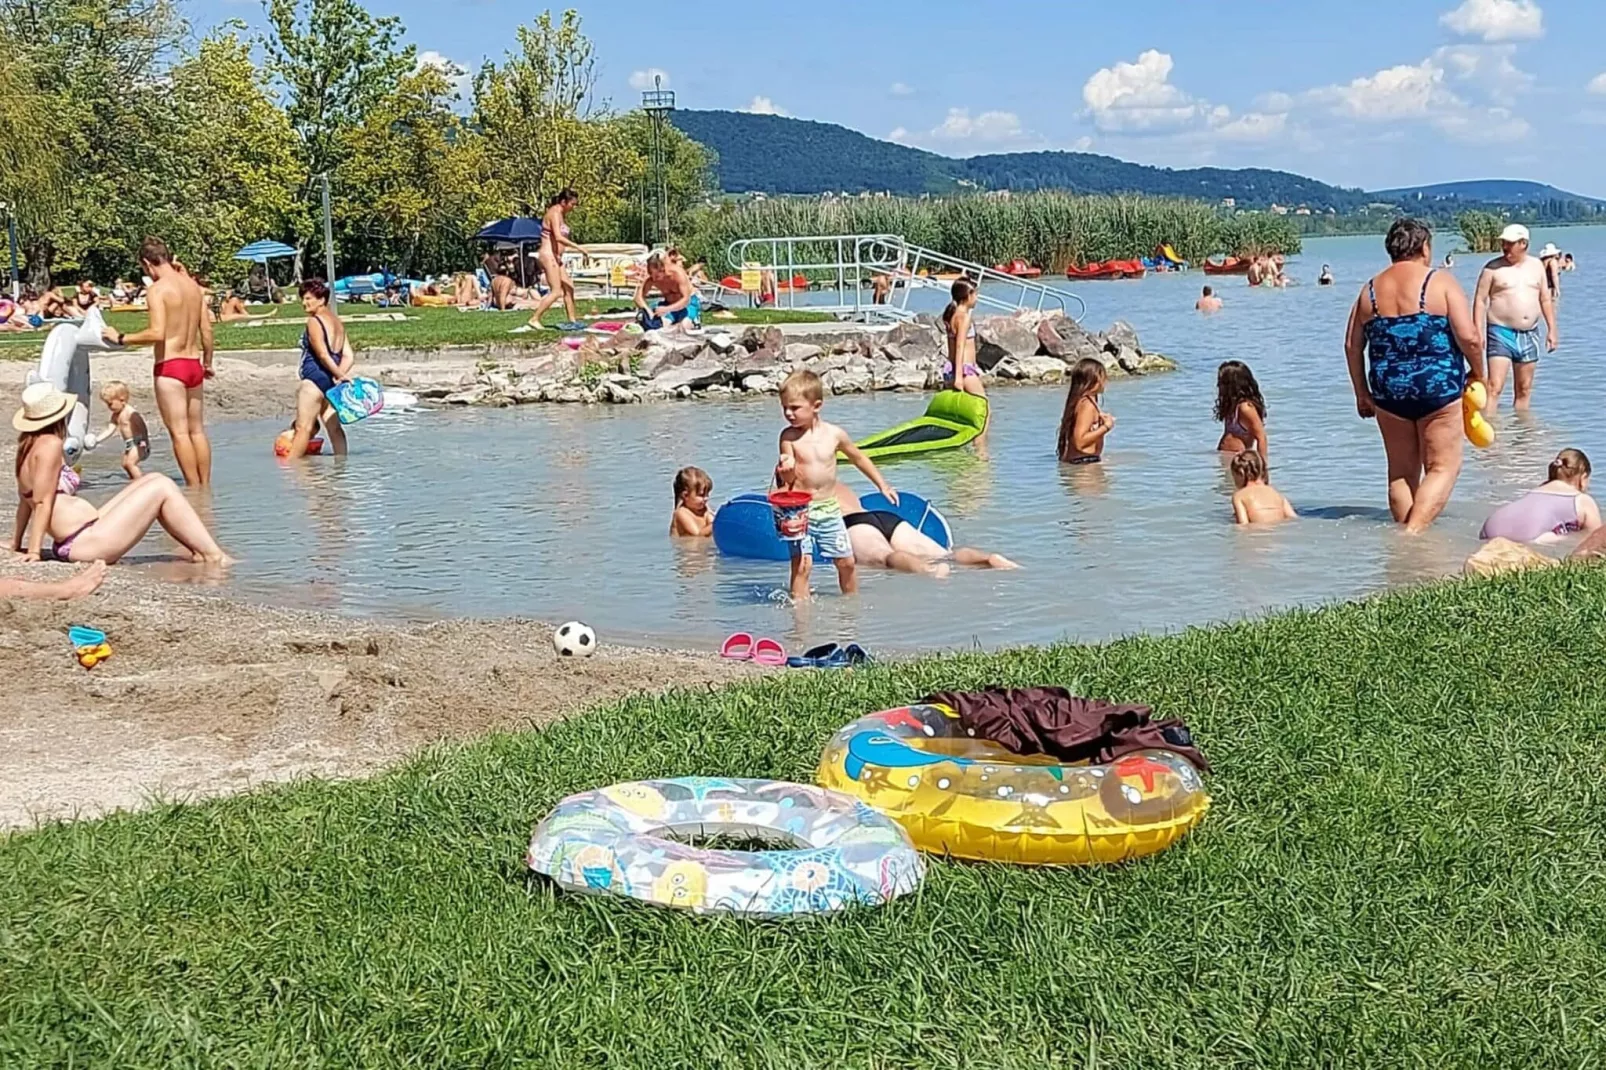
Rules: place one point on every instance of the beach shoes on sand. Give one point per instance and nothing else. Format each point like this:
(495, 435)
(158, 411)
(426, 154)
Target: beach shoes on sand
(743, 647)
(830, 656)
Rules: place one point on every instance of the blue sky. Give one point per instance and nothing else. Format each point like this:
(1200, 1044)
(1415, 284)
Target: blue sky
(1370, 93)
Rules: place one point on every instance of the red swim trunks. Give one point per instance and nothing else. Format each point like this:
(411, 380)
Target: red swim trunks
(186, 370)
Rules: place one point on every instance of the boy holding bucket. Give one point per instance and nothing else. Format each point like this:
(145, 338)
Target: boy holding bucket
(807, 514)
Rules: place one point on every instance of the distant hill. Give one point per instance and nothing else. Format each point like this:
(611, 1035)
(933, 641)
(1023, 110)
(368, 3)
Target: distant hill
(1487, 191)
(778, 155)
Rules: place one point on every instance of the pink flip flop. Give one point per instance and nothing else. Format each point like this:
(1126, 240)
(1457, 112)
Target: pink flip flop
(769, 652)
(738, 647)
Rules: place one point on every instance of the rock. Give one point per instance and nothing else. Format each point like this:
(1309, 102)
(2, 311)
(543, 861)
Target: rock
(799, 353)
(719, 390)
(915, 336)
(700, 374)
(474, 395)
(1060, 336)
(1503, 555)
(998, 337)
(723, 343)
(1129, 360)
(760, 361)
(1592, 548)
(1122, 333)
(570, 394)
(912, 377)
(832, 362)
(761, 384)
(763, 338)
(1035, 369)
(660, 354)
(852, 379)
(880, 373)
(619, 390)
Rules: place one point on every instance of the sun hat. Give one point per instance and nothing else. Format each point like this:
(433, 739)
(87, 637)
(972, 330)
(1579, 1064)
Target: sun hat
(42, 405)
(1513, 234)
(1550, 250)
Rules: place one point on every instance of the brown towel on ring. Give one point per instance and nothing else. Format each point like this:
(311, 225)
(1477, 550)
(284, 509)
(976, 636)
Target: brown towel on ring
(1052, 721)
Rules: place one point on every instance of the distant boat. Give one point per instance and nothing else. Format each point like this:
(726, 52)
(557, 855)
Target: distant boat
(1108, 269)
(1230, 265)
(1019, 268)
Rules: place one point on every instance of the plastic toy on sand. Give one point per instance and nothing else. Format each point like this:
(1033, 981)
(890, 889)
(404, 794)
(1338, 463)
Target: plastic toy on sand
(630, 840)
(970, 798)
(574, 640)
(89, 644)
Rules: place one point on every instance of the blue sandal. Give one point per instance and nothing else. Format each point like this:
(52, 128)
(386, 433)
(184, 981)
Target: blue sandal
(825, 656)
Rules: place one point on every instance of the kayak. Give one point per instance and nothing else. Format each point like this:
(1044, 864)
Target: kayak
(953, 419)
(1228, 266)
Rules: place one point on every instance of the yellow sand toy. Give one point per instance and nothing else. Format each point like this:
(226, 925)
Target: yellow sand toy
(970, 798)
(1479, 432)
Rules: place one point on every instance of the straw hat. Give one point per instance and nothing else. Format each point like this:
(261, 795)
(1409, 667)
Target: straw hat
(42, 405)
(1549, 250)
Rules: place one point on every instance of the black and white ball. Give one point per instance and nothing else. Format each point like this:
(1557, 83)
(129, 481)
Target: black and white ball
(574, 640)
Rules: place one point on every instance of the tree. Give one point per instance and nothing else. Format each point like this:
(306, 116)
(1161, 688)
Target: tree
(689, 172)
(542, 130)
(239, 173)
(334, 61)
(30, 154)
(405, 183)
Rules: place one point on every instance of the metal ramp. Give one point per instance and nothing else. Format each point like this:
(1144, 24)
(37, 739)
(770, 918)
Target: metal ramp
(849, 263)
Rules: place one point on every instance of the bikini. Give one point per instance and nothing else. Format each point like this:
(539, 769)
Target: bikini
(1234, 427)
(1415, 367)
(67, 482)
(970, 369)
(187, 370)
(883, 520)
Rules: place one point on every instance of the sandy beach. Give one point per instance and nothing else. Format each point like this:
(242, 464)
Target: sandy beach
(207, 695)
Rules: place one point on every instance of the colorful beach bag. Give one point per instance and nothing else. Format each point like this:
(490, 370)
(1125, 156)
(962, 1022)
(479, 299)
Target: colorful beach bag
(357, 399)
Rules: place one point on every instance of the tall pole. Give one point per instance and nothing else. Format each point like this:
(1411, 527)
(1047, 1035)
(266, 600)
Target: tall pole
(329, 242)
(11, 231)
(658, 103)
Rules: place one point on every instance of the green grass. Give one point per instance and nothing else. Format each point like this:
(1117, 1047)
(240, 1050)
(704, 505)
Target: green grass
(425, 328)
(1403, 866)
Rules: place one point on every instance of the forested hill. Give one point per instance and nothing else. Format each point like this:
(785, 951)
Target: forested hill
(773, 154)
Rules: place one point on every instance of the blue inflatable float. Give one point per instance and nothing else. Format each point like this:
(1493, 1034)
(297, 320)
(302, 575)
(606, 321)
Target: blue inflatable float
(745, 525)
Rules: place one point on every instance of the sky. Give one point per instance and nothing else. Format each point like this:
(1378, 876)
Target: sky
(1369, 93)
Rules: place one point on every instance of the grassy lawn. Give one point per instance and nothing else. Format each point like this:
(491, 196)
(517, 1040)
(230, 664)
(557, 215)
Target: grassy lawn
(1403, 866)
(426, 328)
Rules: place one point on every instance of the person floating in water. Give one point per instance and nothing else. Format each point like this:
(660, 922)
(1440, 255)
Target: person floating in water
(1083, 425)
(692, 517)
(1255, 502)
(1241, 409)
(1208, 301)
(128, 423)
(809, 447)
(1513, 310)
(1558, 507)
(883, 539)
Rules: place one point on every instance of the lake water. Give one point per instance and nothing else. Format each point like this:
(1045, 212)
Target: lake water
(559, 512)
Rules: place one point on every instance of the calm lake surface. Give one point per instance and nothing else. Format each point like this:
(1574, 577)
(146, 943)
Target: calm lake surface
(559, 512)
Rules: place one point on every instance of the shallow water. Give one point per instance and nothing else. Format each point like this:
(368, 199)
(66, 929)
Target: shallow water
(556, 512)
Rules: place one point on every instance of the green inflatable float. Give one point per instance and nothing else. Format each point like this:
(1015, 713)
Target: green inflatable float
(952, 419)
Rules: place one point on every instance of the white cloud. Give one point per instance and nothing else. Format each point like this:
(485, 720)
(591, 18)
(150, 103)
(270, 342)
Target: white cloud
(989, 126)
(1251, 126)
(1082, 144)
(1488, 67)
(1597, 84)
(1419, 92)
(898, 134)
(1139, 96)
(761, 105)
(1497, 20)
(902, 89)
(643, 80)
(455, 73)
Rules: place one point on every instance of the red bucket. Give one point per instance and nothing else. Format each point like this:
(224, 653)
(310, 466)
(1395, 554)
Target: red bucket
(791, 509)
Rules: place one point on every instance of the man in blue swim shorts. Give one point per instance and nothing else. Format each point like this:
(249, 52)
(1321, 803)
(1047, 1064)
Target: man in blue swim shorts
(681, 302)
(1514, 311)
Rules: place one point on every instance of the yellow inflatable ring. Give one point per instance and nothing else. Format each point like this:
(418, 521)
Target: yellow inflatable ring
(970, 798)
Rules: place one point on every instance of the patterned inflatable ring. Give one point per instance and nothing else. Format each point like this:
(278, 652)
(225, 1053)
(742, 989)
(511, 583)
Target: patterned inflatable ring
(629, 840)
(970, 798)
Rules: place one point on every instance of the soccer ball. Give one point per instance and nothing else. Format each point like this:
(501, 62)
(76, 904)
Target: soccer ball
(574, 640)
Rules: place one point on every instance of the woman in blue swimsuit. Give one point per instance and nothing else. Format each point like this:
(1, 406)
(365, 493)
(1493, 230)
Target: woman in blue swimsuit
(326, 359)
(1409, 345)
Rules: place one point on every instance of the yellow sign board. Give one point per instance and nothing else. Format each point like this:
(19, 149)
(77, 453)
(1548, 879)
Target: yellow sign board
(616, 275)
(752, 279)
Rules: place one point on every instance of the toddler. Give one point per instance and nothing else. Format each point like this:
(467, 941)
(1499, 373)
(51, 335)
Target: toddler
(691, 517)
(1255, 502)
(127, 422)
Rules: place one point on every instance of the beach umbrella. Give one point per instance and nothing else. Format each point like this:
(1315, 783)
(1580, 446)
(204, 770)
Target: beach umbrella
(515, 231)
(263, 251)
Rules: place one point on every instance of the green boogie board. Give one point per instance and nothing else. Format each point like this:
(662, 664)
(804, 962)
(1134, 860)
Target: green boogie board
(952, 419)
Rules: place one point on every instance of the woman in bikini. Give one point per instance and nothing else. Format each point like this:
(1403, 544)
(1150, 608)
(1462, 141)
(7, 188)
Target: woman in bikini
(1410, 341)
(554, 240)
(1241, 410)
(78, 530)
(961, 372)
(326, 359)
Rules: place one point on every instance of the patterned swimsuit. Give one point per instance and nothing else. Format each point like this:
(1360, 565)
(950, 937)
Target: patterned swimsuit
(1415, 367)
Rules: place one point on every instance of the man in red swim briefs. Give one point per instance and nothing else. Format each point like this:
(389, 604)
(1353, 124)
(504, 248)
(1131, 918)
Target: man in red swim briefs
(182, 337)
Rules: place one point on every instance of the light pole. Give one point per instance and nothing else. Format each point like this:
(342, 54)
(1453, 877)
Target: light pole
(329, 242)
(11, 231)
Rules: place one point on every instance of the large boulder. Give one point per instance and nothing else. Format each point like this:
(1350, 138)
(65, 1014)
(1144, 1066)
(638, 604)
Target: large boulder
(914, 337)
(852, 379)
(798, 354)
(660, 354)
(1122, 333)
(913, 377)
(699, 374)
(759, 362)
(763, 338)
(1061, 336)
(1033, 369)
(998, 337)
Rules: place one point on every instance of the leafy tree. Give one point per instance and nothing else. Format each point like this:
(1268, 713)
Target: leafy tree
(1481, 230)
(333, 61)
(689, 174)
(542, 130)
(30, 154)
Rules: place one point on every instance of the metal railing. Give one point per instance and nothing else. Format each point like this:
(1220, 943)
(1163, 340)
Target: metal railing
(851, 262)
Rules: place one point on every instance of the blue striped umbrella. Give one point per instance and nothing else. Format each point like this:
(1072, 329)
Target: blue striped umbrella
(263, 251)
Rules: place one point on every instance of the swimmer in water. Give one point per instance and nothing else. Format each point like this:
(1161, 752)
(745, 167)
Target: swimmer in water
(883, 539)
(1559, 506)
(1208, 301)
(1255, 502)
(692, 517)
(1083, 425)
(1241, 409)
